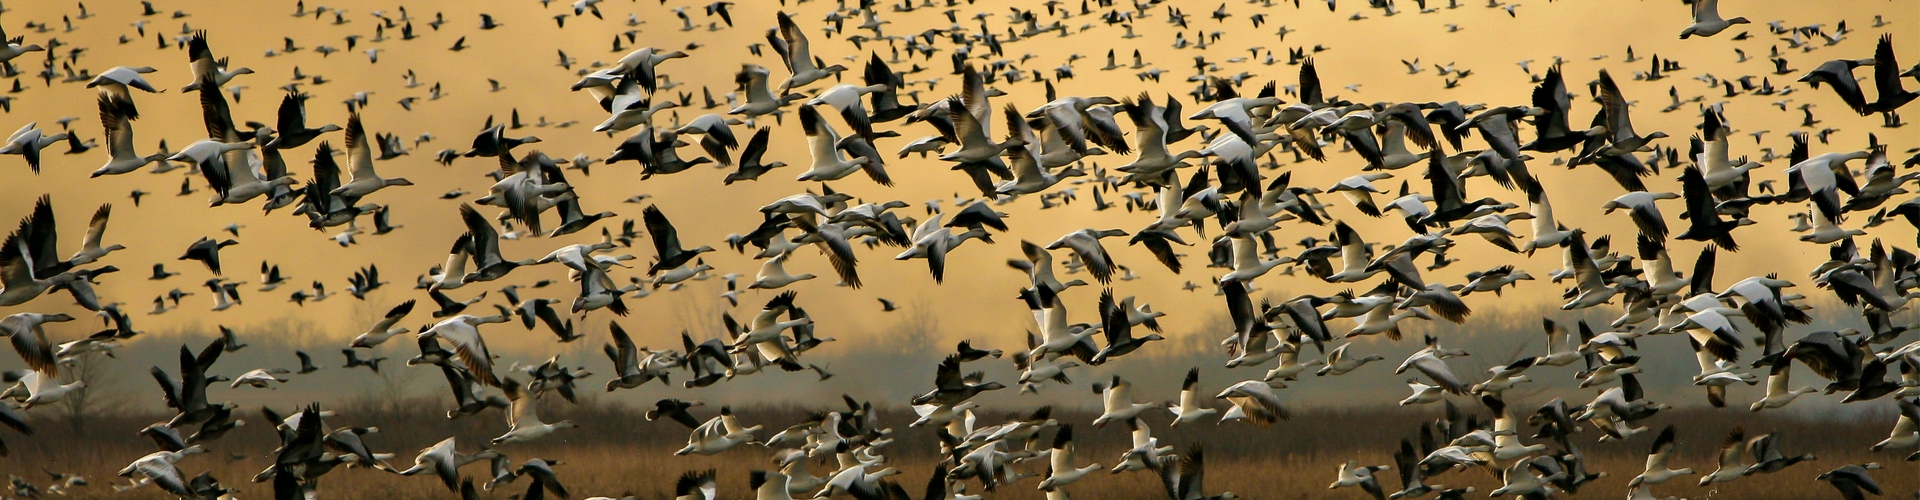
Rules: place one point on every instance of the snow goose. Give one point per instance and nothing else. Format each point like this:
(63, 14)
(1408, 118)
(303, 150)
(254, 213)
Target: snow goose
(952, 388)
(1381, 318)
(1646, 216)
(750, 166)
(360, 162)
(1838, 73)
(1593, 288)
(696, 485)
(1352, 474)
(1886, 79)
(1852, 479)
(630, 369)
(468, 346)
(1119, 331)
(523, 424)
(845, 98)
(1184, 482)
(115, 82)
(1116, 397)
(1411, 480)
(1085, 243)
(1340, 363)
(91, 249)
(1621, 137)
(766, 325)
(719, 434)
(767, 485)
(260, 378)
(791, 44)
(932, 241)
(1034, 372)
(101, 342)
(485, 248)
(28, 142)
(1707, 21)
(1061, 462)
(759, 100)
(292, 123)
(1767, 457)
(1146, 449)
(1235, 112)
(1189, 408)
(1519, 480)
(1290, 366)
(443, 460)
(1779, 395)
(205, 67)
(29, 336)
(1056, 336)
(384, 328)
(666, 242)
(1906, 429)
(453, 274)
(773, 274)
(1039, 268)
(1656, 471)
(1423, 393)
(826, 146)
(160, 469)
(1031, 169)
(13, 48)
(116, 117)
(1825, 229)
(1428, 363)
(1152, 131)
(971, 114)
(1253, 401)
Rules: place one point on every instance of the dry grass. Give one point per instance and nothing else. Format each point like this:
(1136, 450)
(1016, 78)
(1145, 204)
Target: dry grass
(617, 451)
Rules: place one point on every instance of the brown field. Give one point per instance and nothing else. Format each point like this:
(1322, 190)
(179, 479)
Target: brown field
(617, 451)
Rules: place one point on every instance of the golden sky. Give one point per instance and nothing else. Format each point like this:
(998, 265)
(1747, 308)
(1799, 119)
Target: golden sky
(978, 298)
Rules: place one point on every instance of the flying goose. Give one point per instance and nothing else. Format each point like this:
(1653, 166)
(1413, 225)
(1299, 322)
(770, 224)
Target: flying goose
(666, 242)
(1184, 482)
(360, 164)
(1707, 21)
(1886, 79)
(488, 265)
(791, 43)
(1255, 402)
(1117, 398)
(1119, 331)
(1085, 243)
(116, 117)
(29, 142)
(260, 378)
(750, 166)
(523, 424)
(468, 346)
(1838, 73)
(1767, 457)
(826, 146)
(1852, 479)
(292, 123)
(1352, 474)
(205, 67)
(719, 434)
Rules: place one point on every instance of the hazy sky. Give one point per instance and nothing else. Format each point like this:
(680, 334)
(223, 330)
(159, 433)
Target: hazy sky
(978, 299)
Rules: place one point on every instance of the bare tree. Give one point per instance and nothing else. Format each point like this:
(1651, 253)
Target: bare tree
(918, 331)
(100, 395)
